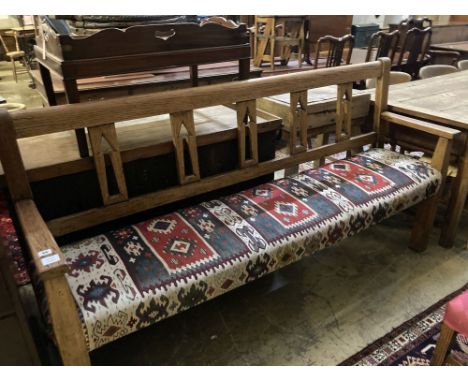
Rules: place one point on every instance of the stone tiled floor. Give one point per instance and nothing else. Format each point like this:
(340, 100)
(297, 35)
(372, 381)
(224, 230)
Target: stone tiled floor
(316, 312)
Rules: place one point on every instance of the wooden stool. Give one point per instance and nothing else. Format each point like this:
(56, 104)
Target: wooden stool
(455, 321)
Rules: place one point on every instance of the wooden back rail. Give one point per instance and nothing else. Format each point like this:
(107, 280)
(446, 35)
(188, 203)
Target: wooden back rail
(100, 118)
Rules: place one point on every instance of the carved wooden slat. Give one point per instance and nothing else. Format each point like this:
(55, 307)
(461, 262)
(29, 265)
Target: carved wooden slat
(179, 121)
(96, 134)
(247, 125)
(343, 111)
(298, 122)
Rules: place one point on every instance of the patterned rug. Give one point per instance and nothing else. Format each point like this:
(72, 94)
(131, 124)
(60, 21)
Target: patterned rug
(413, 342)
(10, 241)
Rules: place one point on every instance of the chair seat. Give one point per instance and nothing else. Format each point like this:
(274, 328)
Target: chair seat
(132, 277)
(456, 314)
(16, 54)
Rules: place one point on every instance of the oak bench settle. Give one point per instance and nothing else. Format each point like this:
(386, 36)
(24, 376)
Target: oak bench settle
(107, 286)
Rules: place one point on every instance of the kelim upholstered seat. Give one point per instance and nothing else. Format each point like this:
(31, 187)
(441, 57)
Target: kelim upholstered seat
(132, 277)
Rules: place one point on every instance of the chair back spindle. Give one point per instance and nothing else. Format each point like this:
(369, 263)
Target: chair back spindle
(335, 50)
(382, 44)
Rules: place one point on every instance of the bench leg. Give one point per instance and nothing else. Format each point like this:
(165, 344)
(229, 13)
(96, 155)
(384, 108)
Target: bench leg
(66, 324)
(427, 209)
(446, 337)
(422, 227)
(457, 202)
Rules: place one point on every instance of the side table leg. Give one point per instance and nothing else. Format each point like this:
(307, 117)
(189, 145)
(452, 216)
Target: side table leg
(48, 85)
(71, 92)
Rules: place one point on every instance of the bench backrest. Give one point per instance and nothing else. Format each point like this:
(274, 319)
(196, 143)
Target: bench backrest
(100, 118)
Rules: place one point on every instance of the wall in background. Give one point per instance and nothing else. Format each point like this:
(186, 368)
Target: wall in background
(382, 20)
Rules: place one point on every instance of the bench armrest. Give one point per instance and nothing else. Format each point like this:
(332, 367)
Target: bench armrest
(51, 267)
(427, 127)
(48, 259)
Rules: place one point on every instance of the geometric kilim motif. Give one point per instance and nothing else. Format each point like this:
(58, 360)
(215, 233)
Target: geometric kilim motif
(179, 248)
(137, 275)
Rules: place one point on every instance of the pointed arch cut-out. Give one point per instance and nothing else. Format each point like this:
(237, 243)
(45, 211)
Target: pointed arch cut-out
(247, 126)
(183, 136)
(343, 111)
(298, 122)
(96, 136)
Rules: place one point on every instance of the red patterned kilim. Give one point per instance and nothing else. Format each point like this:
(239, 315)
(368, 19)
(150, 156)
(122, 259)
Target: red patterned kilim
(287, 209)
(174, 242)
(364, 178)
(130, 278)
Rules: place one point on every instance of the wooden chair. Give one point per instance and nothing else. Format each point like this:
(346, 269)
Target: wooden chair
(15, 55)
(462, 65)
(278, 34)
(413, 55)
(335, 50)
(395, 78)
(407, 24)
(382, 44)
(455, 321)
(436, 70)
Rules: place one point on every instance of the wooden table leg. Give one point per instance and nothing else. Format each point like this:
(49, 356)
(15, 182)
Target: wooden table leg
(307, 42)
(244, 69)
(194, 75)
(71, 92)
(457, 201)
(48, 86)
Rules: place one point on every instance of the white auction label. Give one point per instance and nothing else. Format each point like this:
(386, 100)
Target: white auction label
(45, 252)
(50, 259)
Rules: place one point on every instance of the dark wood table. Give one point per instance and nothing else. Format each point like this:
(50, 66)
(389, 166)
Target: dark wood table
(443, 100)
(134, 50)
(458, 46)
